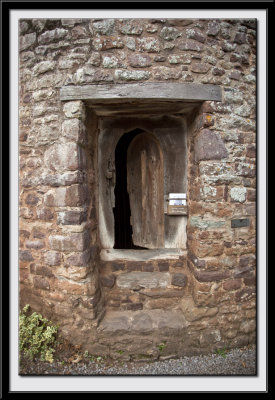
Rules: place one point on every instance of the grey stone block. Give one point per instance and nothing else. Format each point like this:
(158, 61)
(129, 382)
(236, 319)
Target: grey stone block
(136, 280)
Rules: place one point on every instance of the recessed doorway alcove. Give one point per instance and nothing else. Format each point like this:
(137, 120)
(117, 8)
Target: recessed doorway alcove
(142, 158)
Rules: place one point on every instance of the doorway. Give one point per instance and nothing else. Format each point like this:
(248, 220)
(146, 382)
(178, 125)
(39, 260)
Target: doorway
(139, 209)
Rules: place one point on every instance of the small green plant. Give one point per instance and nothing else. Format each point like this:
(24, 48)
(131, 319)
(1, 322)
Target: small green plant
(162, 346)
(88, 356)
(221, 352)
(37, 335)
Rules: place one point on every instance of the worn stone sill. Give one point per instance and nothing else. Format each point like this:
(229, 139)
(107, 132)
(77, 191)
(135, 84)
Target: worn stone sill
(141, 255)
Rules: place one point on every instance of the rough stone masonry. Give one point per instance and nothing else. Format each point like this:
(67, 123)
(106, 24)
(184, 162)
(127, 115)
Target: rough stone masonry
(158, 307)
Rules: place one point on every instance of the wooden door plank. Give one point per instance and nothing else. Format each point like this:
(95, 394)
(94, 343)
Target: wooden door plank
(145, 187)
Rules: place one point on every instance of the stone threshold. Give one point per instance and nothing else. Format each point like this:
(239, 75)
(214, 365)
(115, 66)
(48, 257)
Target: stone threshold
(141, 255)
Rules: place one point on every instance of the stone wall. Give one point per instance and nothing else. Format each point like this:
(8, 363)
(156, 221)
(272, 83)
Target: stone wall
(136, 285)
(206, 298)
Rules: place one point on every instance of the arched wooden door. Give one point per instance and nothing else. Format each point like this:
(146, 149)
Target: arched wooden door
(145, 188)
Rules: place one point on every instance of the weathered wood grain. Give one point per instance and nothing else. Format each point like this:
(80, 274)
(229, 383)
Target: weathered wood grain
(149, 90)
(145, 188)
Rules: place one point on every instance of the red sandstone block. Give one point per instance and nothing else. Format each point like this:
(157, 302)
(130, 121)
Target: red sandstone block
(64, 157)
(55, 296)
(133, 266)
(195, 260)
(209, 146)
(235, 75)
(210, 276)
(232, 284)
(44, 214)
(38, 232)
(64, 310)
(23, 135)
(213, 28)
(71, 217)
(24, 233)
(250, 280)
(250, 209)
(41, 270)
(246, 170)
(72, 196)
(139, 60)
(191, 45)
(207, 249)
(200, 68)
(247, 260)
(179, 279)
(74, 129)
(208, 120)
(206, 107)
(41, 283)
(134, 306)
(107, 280)
(218, 71)
(35, 244)
(243, 272)
(74, 242)
(251, 194)
(163, 266)
(245, 294)
(91, 302)
(148, 267)
(77, 288)
(32, 199)
(23, 275)
(251, 151)
(240, 38)
(52, 258)
(107, 43)
(118, 266)
(76, 195)
(87, 314)
(25, 255)
(64, 179)
(79, 259)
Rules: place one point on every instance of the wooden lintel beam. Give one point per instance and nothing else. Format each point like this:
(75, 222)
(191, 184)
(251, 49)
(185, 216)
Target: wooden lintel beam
(153, 91)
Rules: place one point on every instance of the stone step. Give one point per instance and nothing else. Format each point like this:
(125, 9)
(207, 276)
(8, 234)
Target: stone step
(137, 280)
(141, 335)
(141, 255)
(142, 322)
(132, 291)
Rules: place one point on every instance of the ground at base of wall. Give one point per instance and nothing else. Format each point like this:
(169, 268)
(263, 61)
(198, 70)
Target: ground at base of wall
(69, 360)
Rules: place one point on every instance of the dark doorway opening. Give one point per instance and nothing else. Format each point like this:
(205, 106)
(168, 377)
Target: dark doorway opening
(122, 211)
